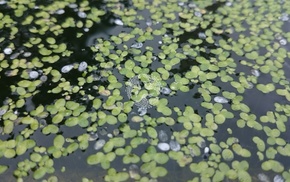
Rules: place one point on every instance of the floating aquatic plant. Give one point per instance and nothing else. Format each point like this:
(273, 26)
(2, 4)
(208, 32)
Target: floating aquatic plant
(202, 86)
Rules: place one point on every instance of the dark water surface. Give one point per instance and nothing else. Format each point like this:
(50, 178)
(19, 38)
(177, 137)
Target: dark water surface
(75, 164)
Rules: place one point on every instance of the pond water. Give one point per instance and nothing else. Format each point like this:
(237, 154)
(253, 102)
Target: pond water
(153, 90)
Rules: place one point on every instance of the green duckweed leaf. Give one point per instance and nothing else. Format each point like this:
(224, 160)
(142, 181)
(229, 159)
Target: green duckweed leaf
(95, 158)
(219, 118)
(244, 176)
(28, 120)
(108, 147)
(215, 148)
(161, 158)
(35, 157)
(39, 173)
(232, 174)
(21, 148)
(50, 129)
(227, 155)
(57, 118)
(118, 141)
(260, 143)
(148, 167)
(158, 172)
(72, 147)
(3, 168)
(218, 176)
(152, 132)
(270, 153)
(9, 153)
(72, 121)
(131, 158)
(58, 141)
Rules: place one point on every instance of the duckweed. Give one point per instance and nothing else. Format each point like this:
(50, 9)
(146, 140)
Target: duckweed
(201, 87)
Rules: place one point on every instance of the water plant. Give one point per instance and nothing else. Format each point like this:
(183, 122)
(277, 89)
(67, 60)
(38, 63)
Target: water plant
(144, 90)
